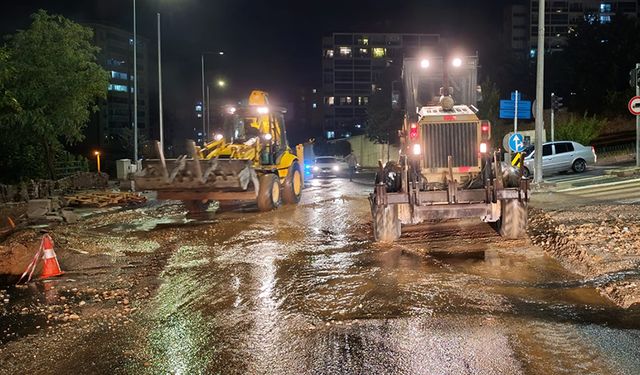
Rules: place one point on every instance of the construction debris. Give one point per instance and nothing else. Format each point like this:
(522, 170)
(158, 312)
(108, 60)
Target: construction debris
(102, 199)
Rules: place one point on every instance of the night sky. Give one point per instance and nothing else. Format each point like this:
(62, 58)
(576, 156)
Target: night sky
(272, 45)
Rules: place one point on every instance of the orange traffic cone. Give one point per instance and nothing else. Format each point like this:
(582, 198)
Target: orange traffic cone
(51, 266)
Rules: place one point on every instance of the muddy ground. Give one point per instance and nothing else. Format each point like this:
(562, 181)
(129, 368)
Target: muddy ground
(599, 241)
(304, 290)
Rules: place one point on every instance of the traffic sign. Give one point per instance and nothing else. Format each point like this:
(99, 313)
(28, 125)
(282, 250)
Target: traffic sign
(517, 160)
(516, 142)
(508, 107)
(634, 105)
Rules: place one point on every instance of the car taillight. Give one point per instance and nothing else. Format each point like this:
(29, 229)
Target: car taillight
(413, 131)
(485, 129)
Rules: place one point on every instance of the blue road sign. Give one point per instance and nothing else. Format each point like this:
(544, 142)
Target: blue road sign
(508, 107)
(516, 142)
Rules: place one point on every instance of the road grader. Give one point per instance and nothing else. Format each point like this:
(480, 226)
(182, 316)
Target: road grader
(249, 160)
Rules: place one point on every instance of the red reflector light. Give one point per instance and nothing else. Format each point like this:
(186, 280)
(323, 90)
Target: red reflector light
(413, 132)
(449, 118)
(485, 127)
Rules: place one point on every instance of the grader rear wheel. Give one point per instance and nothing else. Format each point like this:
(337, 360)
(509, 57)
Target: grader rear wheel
(292, 189)
(269, 197)
(513, 219)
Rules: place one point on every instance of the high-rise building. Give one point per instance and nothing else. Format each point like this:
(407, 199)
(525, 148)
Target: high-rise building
(561, 18)
(352, 66)
(112, 125)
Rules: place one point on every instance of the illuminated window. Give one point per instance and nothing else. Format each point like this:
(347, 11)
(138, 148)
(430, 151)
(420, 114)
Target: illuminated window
(120, 88)
(314, 91)
(314, 105)
(331, 100)
(331, 133)
(379, 52)
(345, 51)
(532, 52)
(605, 19)
(365, 41)
(348, 99)
(328, 53)
(365, 100)
(119, 75)
(605, 7)
(364, 52)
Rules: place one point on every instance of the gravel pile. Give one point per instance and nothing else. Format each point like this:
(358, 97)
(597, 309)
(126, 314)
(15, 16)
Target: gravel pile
(597, 241)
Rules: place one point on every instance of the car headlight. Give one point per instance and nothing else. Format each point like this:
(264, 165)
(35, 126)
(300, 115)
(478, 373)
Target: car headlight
(315, 168)
(417, 150)
(336, 168)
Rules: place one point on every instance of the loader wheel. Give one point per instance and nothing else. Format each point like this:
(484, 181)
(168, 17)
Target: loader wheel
(513, 219)
(269, 193)
(386, 225)
(292, 189)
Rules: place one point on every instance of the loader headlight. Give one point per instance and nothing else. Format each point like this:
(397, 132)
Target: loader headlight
(316, 168)
(263, 110)
(483, 148)
(267, 136)
(218, 137)
(417, 150)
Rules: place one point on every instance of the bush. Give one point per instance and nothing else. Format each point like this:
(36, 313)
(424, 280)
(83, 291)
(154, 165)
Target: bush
(579, 129)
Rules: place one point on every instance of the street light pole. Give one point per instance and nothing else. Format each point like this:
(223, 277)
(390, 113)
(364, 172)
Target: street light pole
(537, 178)
(208, 111)
(203, 105)
(160, 86)
(135, 88)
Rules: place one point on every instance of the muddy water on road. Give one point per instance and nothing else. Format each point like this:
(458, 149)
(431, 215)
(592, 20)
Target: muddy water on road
(303, 290)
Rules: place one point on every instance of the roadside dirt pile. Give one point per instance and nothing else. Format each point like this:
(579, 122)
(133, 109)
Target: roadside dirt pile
(46, 188)
(600, 241)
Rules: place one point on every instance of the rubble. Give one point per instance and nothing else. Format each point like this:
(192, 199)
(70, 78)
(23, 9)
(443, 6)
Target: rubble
(593, 241)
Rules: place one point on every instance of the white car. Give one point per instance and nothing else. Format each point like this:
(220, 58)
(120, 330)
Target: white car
(560, 156)
(326, 166)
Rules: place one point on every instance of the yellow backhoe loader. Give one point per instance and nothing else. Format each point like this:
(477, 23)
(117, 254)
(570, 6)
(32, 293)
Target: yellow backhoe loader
(249, 160)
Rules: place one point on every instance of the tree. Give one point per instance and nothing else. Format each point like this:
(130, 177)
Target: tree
(595, 64)
(56, 81)
(579, 129)
(383, 121)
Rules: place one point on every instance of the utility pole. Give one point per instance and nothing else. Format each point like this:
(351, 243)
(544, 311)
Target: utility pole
(553, 105)
(537, 178)
(160, 86)
(515, 115)
(135, 88)
(637, 118)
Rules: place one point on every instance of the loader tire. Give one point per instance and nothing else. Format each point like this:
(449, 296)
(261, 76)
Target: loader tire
(292, 189)
(269, 197)
(513, 219)
(386, 225)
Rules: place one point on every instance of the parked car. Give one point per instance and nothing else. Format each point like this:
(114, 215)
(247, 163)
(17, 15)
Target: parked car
(327, 166)
(560, 156)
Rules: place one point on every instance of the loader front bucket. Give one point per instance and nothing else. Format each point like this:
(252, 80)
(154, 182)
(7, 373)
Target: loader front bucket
(188, 174)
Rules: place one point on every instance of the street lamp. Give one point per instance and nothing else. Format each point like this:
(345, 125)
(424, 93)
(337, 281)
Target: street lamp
(97, 154)
(221, 83)
(204, 120)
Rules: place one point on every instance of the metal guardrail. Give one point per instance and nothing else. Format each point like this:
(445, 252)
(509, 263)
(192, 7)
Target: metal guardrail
(64, 169)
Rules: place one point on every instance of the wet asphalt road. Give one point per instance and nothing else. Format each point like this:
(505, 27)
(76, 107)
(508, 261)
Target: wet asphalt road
(304, 291)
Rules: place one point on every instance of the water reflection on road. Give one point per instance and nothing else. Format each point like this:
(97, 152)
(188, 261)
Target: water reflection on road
(304, 290)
